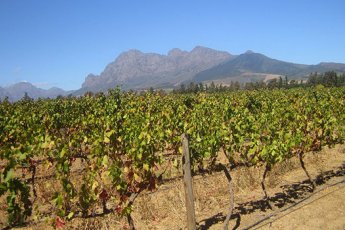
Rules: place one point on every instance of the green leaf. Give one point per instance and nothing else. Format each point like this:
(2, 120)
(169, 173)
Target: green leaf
(198, 139)
(140, 156)
(22, 156)
(3, 189)
(62, 153)
(108, 134)
(105, 160)
(9, 175)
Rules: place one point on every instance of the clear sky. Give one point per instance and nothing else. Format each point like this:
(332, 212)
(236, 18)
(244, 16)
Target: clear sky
(58, 42)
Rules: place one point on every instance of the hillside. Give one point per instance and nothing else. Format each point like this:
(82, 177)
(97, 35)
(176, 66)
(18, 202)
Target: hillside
(252, 66)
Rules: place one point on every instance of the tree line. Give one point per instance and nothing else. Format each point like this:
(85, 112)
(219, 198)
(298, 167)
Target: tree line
(327, 79)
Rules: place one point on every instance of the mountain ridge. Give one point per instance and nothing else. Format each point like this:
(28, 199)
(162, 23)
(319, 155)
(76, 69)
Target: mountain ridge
(137, 70)
(256, 64)
(17, 91)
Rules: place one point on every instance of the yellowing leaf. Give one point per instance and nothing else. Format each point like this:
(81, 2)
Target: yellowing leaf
(180, 149)
(70, 215)
(146, 167)
(94, 185)
(106, 140)
(106, 178)
(137, 178)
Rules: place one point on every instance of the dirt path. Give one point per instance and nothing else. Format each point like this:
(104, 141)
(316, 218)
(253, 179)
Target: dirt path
(295, 205)
(323, 209)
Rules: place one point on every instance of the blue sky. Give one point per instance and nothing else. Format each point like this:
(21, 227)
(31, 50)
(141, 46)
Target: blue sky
(57, 43)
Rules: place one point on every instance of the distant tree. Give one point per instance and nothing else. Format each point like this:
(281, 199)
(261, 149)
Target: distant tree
(191, 87)
(341, 80)
(312, 79)
(231, 86)
(280, 82)
(212, 87)
(201, 87)
(182, 88)
(286, 81)
(162, 92)
(293, 83)
(249, 86)
(237, 85)
(234, 86)
(330, 78)
(221, 88)
(260, 85)
(89, 94)
(26, 97)
(6, 100)
(272, 83)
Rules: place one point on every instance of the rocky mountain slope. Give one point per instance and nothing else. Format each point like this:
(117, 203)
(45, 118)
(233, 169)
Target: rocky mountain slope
(135, 70)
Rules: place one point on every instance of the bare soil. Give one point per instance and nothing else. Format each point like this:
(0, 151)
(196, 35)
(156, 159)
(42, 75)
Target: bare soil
(294, 204)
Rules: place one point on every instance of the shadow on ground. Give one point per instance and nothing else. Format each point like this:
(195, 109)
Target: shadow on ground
(291, 194)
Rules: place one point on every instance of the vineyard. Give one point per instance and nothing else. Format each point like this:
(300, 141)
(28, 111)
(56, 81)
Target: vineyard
(119, 144)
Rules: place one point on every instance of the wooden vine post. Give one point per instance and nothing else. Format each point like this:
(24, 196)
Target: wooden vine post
(188, 184)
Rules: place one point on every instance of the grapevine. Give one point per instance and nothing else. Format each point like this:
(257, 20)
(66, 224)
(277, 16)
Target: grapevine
(121, 139)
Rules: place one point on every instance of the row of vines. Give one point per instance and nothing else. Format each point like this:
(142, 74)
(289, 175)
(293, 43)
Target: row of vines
(122, 138)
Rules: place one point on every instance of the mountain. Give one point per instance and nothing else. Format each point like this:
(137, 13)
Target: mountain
(135, 70)
(334, 66)
(17, 91)
(252, 66)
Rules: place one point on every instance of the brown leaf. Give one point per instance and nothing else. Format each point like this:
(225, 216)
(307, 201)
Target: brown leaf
(59, 222)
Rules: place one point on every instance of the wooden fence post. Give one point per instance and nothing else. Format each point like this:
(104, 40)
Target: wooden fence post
(188, 184)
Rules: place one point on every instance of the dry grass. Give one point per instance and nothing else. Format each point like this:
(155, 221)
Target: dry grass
(165, 209)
